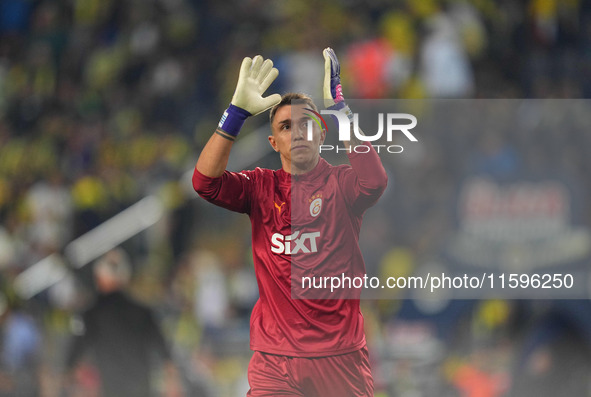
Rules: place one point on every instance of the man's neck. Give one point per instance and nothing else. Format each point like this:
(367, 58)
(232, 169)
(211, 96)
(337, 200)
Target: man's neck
(293, 169)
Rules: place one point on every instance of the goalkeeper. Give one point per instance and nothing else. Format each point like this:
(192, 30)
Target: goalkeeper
(307, 210)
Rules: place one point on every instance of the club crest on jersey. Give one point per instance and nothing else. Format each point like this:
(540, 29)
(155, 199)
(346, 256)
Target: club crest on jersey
(315, 204)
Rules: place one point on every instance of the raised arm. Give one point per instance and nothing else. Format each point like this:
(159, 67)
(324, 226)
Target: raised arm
(256, 75)
(368, 178)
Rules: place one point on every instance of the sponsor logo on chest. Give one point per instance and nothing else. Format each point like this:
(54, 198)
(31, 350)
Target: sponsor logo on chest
(294, 243)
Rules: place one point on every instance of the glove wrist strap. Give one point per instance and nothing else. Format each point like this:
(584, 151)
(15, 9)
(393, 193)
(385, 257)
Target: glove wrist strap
(343, 108)
(233, 119)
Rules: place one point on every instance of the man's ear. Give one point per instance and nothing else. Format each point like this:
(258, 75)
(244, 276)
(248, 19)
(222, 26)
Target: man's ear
(322, 136)
(273, 143)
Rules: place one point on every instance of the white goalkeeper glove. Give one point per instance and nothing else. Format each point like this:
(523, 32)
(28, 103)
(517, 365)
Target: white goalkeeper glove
(255, 77)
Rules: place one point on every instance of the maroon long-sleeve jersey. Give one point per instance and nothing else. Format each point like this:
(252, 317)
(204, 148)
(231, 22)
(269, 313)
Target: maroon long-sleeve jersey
(303, 226)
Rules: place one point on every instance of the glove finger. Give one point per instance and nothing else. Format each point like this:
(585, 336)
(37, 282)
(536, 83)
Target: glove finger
(327, 76)
(245, 67)
(255, 69)
(336, 65)
(265, 69)
(269, 78)
(269, 102)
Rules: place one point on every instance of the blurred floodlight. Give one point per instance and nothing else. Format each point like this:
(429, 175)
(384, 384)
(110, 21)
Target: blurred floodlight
(90, 246)
(114, 231)
(40, 276)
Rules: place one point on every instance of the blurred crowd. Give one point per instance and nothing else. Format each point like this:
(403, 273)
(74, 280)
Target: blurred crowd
(103, 102)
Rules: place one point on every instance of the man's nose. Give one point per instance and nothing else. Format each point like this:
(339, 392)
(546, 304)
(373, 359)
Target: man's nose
(299, 132)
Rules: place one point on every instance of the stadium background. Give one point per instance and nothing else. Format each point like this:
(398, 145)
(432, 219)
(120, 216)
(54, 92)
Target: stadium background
(104, 102)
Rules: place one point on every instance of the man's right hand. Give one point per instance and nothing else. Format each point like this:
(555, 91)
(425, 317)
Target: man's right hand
(255, 77)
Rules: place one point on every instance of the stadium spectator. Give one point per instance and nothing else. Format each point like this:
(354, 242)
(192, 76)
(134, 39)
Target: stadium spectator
(20, 351)
(122, 335)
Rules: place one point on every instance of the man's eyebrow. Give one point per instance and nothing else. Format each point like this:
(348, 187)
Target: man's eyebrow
(300, 118)
(289, 120)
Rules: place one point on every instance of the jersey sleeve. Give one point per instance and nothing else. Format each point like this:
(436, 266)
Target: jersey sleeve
(232, 190)
(365, 181)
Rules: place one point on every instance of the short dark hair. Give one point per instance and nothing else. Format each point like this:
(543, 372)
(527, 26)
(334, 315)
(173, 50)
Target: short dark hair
(286, 99)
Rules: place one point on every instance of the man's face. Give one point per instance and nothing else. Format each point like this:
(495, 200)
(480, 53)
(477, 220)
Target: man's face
(290, 138)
